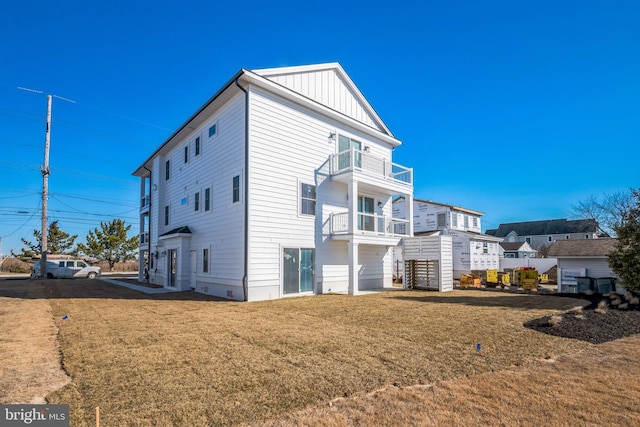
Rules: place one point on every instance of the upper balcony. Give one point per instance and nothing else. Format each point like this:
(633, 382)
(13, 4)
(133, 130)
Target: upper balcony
(367, 168)
(369, 228)
(145, 203)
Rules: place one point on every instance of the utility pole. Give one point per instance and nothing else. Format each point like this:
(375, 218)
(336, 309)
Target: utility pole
(45, 193)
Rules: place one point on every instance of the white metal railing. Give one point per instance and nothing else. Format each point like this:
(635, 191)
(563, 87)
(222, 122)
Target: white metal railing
(356, 160)
(144, 238)
(145, 201)
(381, 225)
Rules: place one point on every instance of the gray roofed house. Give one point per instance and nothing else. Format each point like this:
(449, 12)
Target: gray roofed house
(540, 233)
(580, 248)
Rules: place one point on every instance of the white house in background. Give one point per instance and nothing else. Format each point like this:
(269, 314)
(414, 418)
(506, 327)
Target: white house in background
(516, 250)
(472, 250)
(280, 184)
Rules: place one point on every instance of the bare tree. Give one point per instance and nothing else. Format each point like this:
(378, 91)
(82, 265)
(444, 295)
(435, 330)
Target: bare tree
(607, 209)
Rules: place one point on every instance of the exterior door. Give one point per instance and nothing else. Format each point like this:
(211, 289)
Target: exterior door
(297, 270)
(344, 159)
(194, 267)
(366, 218)
(172, 259)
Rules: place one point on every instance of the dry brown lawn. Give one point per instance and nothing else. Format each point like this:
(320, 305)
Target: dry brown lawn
(187, 359)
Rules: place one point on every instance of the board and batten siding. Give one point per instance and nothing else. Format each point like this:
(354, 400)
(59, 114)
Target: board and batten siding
(328, 88)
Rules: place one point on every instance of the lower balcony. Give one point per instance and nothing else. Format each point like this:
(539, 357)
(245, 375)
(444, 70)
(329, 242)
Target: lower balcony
(369, 228)
(144, 240)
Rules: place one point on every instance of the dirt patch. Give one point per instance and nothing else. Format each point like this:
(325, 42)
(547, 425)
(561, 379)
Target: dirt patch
(29, 349)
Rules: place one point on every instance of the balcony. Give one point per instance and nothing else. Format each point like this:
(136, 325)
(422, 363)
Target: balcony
(145, 203)
(370, 228)
(144, 240)
(377, 171)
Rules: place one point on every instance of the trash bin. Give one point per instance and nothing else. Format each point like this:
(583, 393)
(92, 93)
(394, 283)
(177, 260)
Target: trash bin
(584, 284)
(604, 284)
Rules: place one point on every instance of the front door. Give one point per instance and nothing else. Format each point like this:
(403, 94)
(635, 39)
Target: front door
(366, 217)
(297, 270)
(172, 267)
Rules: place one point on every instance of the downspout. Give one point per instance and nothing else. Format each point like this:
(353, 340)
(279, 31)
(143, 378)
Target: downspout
(149, 254)
(245, 278)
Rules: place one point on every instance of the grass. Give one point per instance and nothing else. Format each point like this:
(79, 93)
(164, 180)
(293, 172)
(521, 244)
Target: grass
(186, 359)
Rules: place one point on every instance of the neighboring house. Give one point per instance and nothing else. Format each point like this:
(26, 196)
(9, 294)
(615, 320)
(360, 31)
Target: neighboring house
(472, 250)
(516, 250)
(582, 258)
(280, 184)
(545, 232)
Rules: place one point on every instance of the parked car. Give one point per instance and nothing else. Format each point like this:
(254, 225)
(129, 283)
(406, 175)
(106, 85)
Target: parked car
(67, 268)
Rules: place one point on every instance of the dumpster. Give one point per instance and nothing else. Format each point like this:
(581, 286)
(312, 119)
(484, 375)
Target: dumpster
(585, 284)
(605, 284)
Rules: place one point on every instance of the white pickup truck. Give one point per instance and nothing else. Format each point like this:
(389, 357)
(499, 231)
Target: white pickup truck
(67, 268)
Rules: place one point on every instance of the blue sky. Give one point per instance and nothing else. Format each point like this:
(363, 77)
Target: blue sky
(517, 109)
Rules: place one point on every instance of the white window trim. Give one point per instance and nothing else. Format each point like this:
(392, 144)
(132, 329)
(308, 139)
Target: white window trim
(186, 159)
(197, 154)
(299, 194)
(202, 200)
(241, 188)
(199, 193)
(206, 131)
(166, 213)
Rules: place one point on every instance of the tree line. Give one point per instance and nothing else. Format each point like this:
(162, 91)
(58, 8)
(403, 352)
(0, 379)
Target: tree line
(108, 243)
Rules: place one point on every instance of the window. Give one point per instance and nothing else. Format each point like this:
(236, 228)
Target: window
(186, 154)
(466, 222)
(166, 170)
(166, 215)
(586, 236)
(236, 188)
(205, 260)
(549, 238)
(454, 220)
(197, 146)
(475, 222)
(528, 240)
(442, 220)
(566, 237)
(307, 199)
(207, 199)
(196, 201)
(485, 248)
(213, 130)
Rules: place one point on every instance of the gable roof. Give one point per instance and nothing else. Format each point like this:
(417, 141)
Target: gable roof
(582, 247)
(175, 231)
(329, 85)
(363, 118)
(544, 227)
(513, 246)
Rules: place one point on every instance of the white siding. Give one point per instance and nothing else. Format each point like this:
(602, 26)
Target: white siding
(595, 267)
(328, 88)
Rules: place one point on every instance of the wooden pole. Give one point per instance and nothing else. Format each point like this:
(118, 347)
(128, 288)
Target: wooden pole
(97, 416)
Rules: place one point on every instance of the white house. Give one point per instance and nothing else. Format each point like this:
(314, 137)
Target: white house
(472, 250)
(516, 250)
(280, 184)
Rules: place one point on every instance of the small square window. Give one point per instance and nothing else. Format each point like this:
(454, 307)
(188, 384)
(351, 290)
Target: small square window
(213, 129)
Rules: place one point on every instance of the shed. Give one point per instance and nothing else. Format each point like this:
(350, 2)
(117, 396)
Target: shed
(428, 262)
(580, 258)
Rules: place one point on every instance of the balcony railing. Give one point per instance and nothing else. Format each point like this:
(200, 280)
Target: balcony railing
(144, 238)
(144, 202)
(381, 225)
(356, 160)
